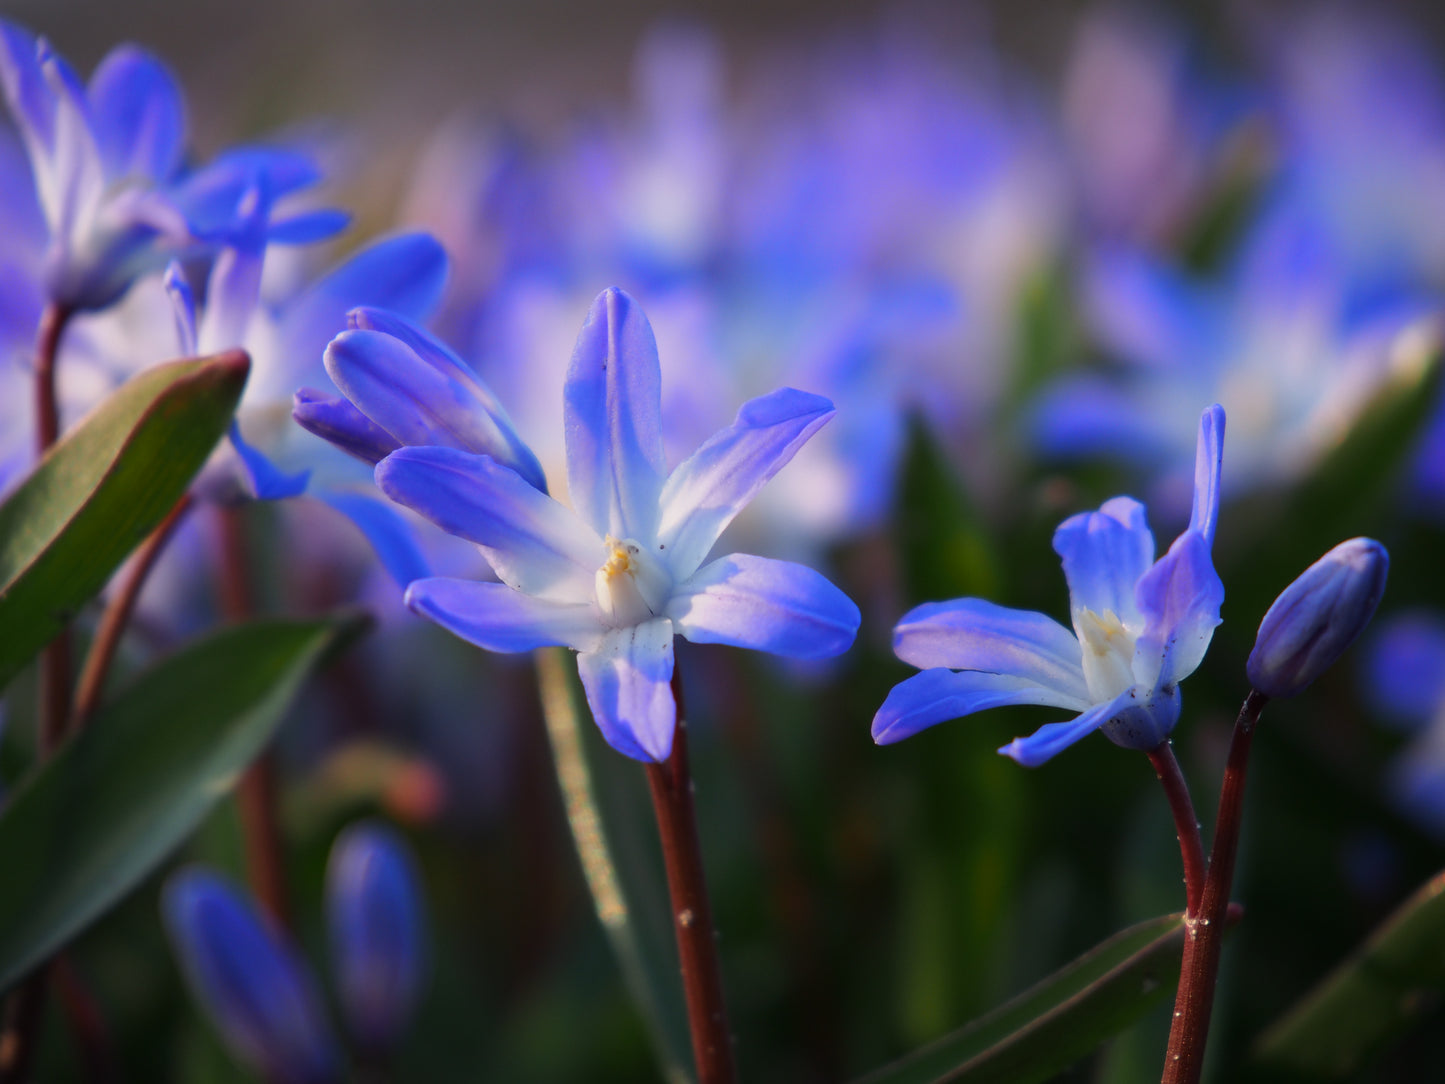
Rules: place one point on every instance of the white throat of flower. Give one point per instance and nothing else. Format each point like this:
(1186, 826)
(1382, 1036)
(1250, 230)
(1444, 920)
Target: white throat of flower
(1108, 654)
(632, 585)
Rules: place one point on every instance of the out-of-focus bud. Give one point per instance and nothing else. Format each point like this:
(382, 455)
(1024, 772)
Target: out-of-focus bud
(1317, 617)
(254, 986)
(374, 914)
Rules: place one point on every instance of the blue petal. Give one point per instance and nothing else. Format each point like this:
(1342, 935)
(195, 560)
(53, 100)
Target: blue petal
(1143, 717)
(421, 405)
(253, 985)
(139, 115)
(183, 307)
(612, 413)
(715, 483)
(1053, 738)
(208, 196)
(627, 684)
(1087, 416)
(1405, 668)
(973, 634)
(940, 694)
(388, 533)
(405, 273)
(533, 543)
(1180, 599)
(767, 605)
(234, 287)
(374, 916)
(1149, 314)
(78, 180)
(337, 422)
(30, 99)
(1104, 554)
(1208, 463)
(265, 480)
(309, 227)
(495, 617)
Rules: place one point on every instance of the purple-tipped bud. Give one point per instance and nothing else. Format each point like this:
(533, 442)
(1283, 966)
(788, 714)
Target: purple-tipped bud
(338, 422)
(374, 914)
(254, 986)
(1317, 617)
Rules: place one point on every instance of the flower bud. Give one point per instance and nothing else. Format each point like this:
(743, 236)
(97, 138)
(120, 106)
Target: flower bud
(1317, 617)
(337, 421)
(256, 989)
(374, 915)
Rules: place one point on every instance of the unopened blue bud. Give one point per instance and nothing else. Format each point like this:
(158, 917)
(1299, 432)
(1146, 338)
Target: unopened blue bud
(335, 420)
(254, 986)
(374, 913)
(1317, 617)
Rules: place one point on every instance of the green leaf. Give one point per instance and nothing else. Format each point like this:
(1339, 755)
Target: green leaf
(1052, 1025)
(601, 791)
(101, 490)
(118, 797)
(1390, 982)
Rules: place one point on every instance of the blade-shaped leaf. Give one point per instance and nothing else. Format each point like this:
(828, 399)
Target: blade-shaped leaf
(1056, 1022)
(101, 490)
(117, 798)
(1392, 980)
(600, 789)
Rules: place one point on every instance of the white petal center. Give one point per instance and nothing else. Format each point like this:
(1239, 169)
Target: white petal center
(1108, 654)
(632, 585)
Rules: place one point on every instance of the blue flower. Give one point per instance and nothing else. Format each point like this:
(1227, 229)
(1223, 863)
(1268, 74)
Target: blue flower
(108, 170)
(374, 918)
(1140, 627)
(254, 986)
(621, 572)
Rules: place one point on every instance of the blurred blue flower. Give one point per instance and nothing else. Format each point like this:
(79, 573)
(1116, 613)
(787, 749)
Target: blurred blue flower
(1286, 343)
(374, 916)
(1317, 617)
(107, 161)
(252, 984)
(619, 575)
(1404, 680)
(1140, 627)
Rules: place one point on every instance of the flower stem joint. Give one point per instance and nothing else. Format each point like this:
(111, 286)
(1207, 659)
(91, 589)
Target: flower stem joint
(1317, 617)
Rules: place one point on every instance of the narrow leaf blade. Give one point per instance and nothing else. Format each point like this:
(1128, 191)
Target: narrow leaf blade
(1391, 981)
(89, 824)
(1050, 1026)
(101, 490)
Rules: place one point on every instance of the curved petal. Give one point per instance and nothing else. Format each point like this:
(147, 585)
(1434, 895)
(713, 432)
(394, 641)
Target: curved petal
(419, 404)
(701, 497)
(1147, 313)
(495, 617)
(234, 287)
(265, 480)
(1104, 553)
(973, 634)
(1208, 463)
(140, 115)
(1180, 599)
(308, 227)
(1052, 738)
(627, 684)
(30, 100)
(612, 413)
(767, 605)
(78, 178)
(389, 534)
(937, 695)
(340, 424)
(533, 543)
(208, 196)
(406, 273)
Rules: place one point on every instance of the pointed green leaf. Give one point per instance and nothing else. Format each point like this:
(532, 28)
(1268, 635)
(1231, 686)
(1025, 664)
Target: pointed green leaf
(1055, 1023)
(1390, 982)
(601, 791)
(101, 490)
(118, 797)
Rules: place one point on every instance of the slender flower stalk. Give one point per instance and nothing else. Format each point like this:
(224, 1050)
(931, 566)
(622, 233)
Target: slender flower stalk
(117, 615)
(55, 662)
(1186, 825)
(671, 786)
(1184, 1060)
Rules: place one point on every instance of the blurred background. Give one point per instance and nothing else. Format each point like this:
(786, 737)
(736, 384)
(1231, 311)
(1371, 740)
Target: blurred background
(1021, 246)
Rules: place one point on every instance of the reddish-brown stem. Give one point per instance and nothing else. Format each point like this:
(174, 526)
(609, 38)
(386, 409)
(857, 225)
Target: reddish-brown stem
(1186, 824)
(87, 1024)
(117, 615)
(1184, 1060)
(707, 1018)
(24, 1010)
(47, 349)
(256, 794)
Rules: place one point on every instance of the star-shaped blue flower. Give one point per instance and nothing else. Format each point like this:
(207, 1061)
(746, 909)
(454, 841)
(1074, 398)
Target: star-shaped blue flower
(621, 572)
(1140, 627)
